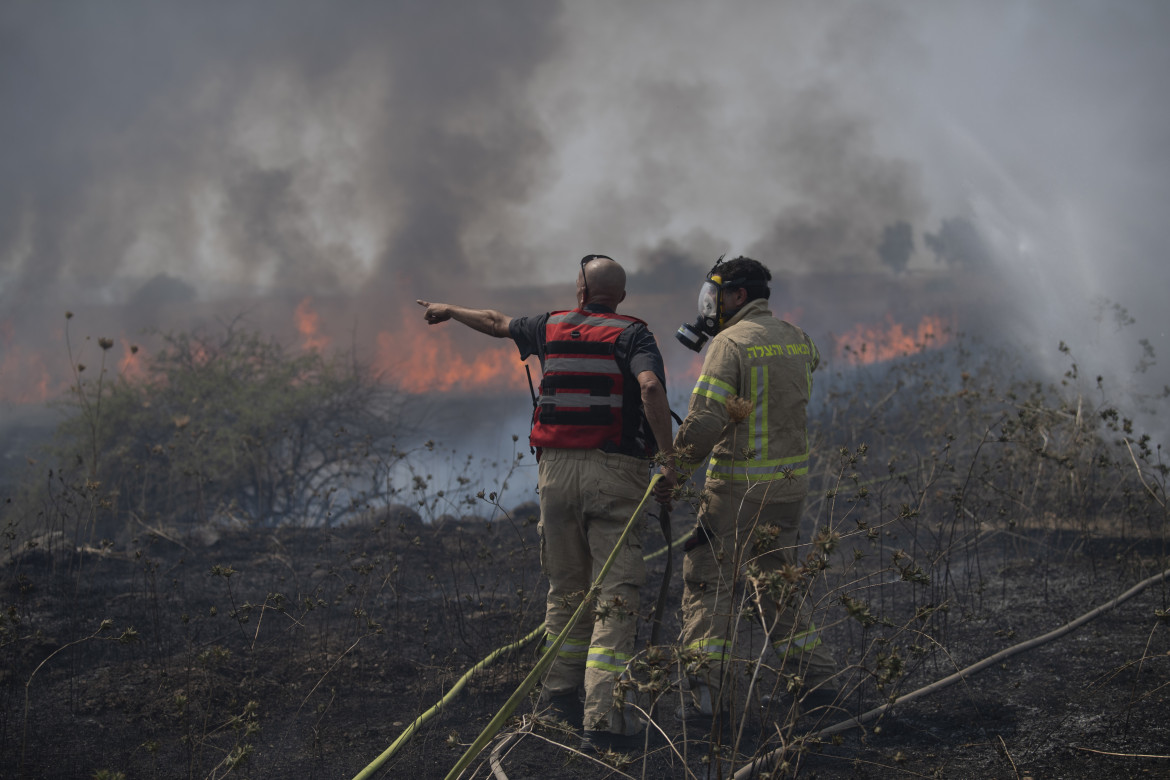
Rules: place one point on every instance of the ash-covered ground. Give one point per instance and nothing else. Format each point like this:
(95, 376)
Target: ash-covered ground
(307, 652)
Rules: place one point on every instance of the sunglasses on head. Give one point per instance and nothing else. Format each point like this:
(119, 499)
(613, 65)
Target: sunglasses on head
(584, 262)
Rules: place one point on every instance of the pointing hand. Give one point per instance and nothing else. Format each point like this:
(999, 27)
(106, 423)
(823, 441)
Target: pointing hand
(436, 312)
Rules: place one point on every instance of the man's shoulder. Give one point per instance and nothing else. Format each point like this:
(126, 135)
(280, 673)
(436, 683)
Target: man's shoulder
(747, 330)
(756, 331)
(532, 320)
(528, 330)
(764, 323)
(641, 338)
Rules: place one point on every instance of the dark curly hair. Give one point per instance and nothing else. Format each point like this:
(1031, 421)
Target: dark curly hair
(747, 273)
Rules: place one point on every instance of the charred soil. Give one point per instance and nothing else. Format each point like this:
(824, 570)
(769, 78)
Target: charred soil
(306, 652)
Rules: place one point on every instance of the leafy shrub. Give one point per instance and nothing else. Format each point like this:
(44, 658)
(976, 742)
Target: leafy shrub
(230, 426)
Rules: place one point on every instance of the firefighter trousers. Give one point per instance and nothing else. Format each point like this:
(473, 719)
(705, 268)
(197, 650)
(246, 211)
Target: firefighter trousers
(586, 499)
(719, 608)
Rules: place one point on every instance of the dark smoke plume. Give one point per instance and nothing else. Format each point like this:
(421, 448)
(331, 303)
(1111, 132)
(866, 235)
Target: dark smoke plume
(224, 143)
(262, 151)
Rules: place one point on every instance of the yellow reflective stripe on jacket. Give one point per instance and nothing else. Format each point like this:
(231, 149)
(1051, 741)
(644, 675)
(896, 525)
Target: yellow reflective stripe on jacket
(608, 659)
(714, 648)
(758, 470)
(714, 388)
(573, 649)
(800, 643)
(758, 419)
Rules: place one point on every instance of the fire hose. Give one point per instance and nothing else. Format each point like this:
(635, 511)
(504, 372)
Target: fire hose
(542, 665)
(447, 698)
(656, 624)
(664, 589)
(766, 761)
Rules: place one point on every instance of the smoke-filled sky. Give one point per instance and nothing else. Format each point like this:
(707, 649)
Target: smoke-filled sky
(394, 150)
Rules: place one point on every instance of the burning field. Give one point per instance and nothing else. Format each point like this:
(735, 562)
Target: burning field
(186, 597)
(259, 519)
(37, 364)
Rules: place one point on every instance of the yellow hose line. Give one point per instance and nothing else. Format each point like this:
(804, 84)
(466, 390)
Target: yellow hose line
(679, 542)
(542, 665)
(768, 760)
(451, 694)
(529, 682)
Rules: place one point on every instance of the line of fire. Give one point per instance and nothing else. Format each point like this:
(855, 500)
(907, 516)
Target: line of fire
(405, 354)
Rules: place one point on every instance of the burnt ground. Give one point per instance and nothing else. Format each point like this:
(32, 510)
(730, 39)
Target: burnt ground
(306, 652)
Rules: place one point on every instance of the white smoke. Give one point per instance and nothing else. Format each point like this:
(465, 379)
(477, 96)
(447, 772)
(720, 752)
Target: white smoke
(416, 149)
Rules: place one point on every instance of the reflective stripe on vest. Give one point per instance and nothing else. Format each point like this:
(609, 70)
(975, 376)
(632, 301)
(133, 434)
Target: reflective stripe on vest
(583, 391)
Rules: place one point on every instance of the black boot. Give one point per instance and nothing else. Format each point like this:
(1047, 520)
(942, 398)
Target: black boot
(566, 707)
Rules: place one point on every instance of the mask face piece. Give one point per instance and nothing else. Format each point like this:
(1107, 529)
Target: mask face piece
(710, 318)
(709, 299)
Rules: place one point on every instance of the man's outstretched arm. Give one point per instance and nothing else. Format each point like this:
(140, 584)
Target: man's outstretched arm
(488, 321)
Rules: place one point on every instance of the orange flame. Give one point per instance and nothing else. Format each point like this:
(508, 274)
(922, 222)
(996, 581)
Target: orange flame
(422, 359)
(130, 366)
(864, 344)
(308, 325)
(24, 378)
(867, 344)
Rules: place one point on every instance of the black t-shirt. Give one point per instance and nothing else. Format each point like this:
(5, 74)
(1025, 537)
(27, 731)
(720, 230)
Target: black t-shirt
(635, 351)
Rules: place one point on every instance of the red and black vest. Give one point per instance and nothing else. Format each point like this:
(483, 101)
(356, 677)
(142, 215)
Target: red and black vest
(586, 400)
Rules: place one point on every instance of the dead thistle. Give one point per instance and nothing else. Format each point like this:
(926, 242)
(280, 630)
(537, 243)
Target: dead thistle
(738, 409)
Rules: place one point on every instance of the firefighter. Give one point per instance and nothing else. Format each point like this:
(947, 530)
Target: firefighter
(748, 413)
(601, 416)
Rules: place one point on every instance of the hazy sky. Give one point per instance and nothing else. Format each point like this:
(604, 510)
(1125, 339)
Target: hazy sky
(423, 148)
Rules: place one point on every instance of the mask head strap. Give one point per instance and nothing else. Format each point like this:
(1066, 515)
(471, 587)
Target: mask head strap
(755, 286)
(713, 272)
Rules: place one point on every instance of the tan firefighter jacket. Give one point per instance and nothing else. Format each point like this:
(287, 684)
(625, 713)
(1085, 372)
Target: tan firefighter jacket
(764, 449)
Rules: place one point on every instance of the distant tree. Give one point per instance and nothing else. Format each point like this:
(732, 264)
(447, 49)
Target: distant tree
(231, 425)
(959, 243)
(897, 245)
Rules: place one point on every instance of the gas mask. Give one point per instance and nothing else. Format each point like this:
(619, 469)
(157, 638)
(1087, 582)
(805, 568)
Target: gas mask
(710, 320)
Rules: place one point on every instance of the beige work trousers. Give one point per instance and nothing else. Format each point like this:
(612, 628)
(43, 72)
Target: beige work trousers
(586, 499)
(712, 604)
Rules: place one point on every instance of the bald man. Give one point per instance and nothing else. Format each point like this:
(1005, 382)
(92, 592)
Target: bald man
(602, 415)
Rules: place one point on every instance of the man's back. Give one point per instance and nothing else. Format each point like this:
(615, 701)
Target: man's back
(768, 362)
